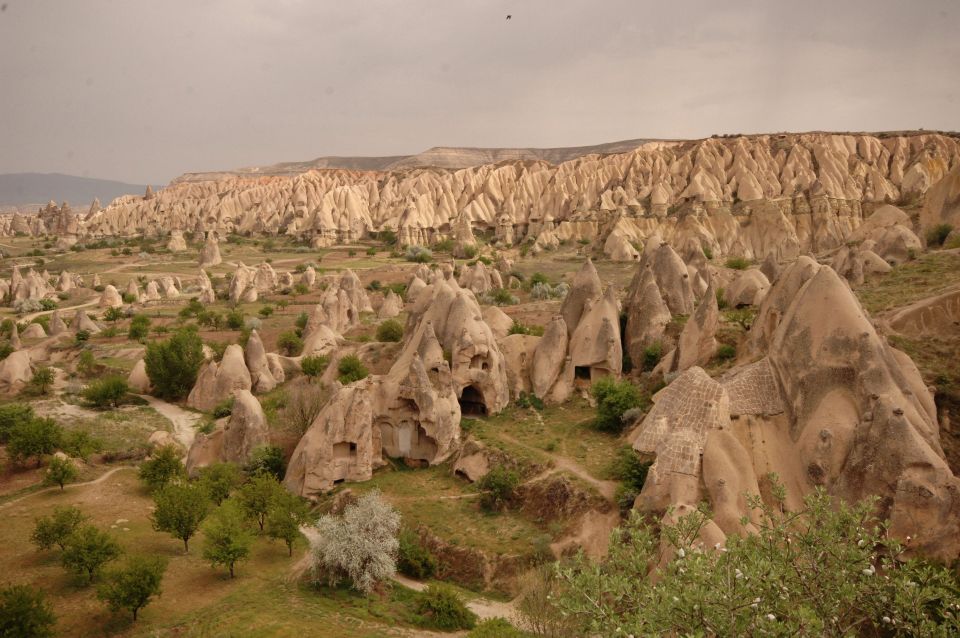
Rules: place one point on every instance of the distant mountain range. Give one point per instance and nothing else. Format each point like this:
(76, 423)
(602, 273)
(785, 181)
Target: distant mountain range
(20, 189)
(450, 157)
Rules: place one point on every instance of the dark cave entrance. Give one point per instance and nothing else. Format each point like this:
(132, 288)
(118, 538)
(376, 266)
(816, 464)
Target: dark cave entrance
(471, 402)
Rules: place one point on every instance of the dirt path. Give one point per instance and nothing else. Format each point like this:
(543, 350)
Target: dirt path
(33, 315)
(183, 420)
(69, 486)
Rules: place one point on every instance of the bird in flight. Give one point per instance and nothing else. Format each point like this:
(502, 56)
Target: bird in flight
(509, 16)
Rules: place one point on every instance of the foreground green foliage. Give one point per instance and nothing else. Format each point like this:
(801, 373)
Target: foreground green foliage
(180, 508)
(161, 468)
(227, 540)
(25, 613)
(829, 570)
(498, 487)
(106, 393)
(351, 369)
(390, 330)
(57, 527)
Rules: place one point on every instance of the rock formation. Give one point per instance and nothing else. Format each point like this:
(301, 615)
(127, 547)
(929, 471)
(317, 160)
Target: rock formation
(234, 438)
(341, 304)
(255, 356)
(218, 381)
(391, 306)
(210, 253)
(110, 298)
(836, 405)
(176, 244)
(138, 380)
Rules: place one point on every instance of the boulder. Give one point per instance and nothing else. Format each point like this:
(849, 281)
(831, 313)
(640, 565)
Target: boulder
(110, 298)
(210, 253)
(176, 244)
(391, 306)
(34, 331)
(138, 380)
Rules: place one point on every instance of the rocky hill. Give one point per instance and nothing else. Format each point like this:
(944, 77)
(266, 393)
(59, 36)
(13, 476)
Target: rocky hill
(745, 195)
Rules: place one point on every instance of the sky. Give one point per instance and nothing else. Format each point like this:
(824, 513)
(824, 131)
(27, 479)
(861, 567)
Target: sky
(143, 90)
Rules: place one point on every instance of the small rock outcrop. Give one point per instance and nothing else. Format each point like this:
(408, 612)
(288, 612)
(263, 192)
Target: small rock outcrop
(218, 381)
(210, 253)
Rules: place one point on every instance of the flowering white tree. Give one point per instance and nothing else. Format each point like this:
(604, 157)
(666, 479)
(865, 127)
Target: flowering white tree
(361, 544)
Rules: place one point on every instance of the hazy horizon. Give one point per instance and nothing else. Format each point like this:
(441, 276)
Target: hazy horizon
(142, 92)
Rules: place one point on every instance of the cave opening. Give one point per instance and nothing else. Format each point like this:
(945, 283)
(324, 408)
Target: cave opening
(471, 402)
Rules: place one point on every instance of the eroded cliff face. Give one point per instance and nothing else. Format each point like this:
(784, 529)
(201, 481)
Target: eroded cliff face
(750, 196)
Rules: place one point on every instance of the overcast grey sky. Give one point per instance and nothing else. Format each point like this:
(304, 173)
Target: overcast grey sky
(143, 90)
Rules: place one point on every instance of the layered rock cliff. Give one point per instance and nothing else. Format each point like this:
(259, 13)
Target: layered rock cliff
(747, 195)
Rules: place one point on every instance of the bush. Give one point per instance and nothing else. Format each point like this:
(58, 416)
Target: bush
(289, 343)
(25, 613)
(82, 337)
(938, 234)
(495, 628)
(652, 355)
(418, 254)
(738, 263)
(173, 365)
(628, 468)
(388, 237)
(520, 328)
(227, 540)
(79, 443)
(530, 400)
(235, 319)
(860, 572)
(139, 328)
(390, 330)
(12, 415)
(314, 365)
(161, 468)
(86, 364)
(413, 559)
(223, 409)
(219, 480)
(5, 350)
(179, 510)
(351, 369)
(107, 393)
(721, 300)
(265, 311)
(502, 297)
(360, 545)
(440, 607)
(613, 399)
(497, 488)
(56, 528)
(42, 379)
(725, 352)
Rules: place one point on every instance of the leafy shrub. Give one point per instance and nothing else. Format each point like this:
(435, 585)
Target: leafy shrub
(390, 330)
(497, 488)
(628, 468)
(938, 234)
(725, 352)
(235, 319)
(33, 438)
(107, 393)
(721, 300)
(520, 328)
(495, 628)
(530, 400)
(25, 613)
(172, 365)
(413, 559)
(371, 251)
(444, 246)
(418, 254)
(82, 336)
(289, 343)
(80, 443)
(387, 236)
(314, 365)
(707, 251)
(265, 311)
(738, 263)
(863, 580)
(652, 355)
(502, 297)
(5, 350)
(302, 320)
(161, 468)
(43, 377)
(440, 607)
(742, 316)
(351, 369)
(613, 399)
(223, 409)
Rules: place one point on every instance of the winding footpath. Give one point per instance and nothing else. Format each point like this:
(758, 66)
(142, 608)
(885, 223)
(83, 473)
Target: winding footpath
(183, 421)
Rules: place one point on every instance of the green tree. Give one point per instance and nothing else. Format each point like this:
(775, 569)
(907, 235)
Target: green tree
(289, 343)
(226, 540)
(56, 528)
(286, 513)
(413, 559)
(132, 586)
(613, 399)
(219, 480)
(172, 365)
(107, 393)
(267, 459)
(390, 330)
(139, 328)
(12, 415)
(60, 471)
(34, 438)
(257, 495)
(829, 569)
(86, 364)
(235, 319)
(351, 369)
(498, 487)
(25, 613)
(87, 549)
(42, 379)
(180, 508)
(161, 468)
(113, 315)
